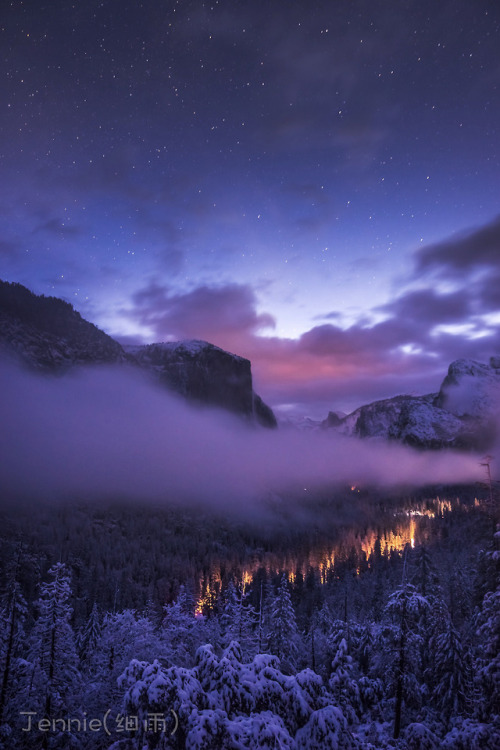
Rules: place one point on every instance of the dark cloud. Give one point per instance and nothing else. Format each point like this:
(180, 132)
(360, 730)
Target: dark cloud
(9, 249)
(488, 291)
(458, 256)
(368, 344)
(333, 315)
(171, 260)
(310, 204)
(223, 315)
(426, 308)
(58, 227)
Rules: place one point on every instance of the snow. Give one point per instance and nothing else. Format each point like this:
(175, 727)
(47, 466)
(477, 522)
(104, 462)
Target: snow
(191, 347)
(470, 388)
(468, 398)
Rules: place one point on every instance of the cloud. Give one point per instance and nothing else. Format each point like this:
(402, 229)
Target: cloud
(427, 308)
(220, 314)
(9, 249)
(171, 259)
(459, 256)
(488, 291)
(109, 433)
(332, 365)
(58, 227)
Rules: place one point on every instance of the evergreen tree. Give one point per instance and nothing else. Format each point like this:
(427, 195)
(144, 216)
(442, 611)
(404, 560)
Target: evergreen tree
(338, 631)
(365, 649)
(177, 628)
(326, 730)
(405, 608)
(283, 636)
(488, 663)
(425, 577)
(238, 620)
(12, 616)
(90, 635)
(460, 596)
(267, 599)
(343, 687)
(53, 649)
(450, 673)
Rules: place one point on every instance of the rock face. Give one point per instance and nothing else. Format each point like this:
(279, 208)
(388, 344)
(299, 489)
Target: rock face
(471, 388)
(464, 414)
(48, 335)
(204, 373)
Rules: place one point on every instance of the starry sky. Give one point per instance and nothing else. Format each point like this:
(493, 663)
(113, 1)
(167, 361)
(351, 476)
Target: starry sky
(313, 185)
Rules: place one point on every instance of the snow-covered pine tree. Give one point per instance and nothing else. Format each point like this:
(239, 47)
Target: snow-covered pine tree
(177, 628)
(405, 608)
(89, 635)
(267, 598)
(283, 635)
(326, 730)
(450, 676)
(12, 616)
(238, 620)
(338, 631)
(53, 648)
(343, 687)
(488, 662)
(460, 595)
(425, 577)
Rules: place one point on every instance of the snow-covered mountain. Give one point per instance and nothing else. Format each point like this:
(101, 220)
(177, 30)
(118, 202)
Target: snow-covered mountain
(463, 414)
(48, 335)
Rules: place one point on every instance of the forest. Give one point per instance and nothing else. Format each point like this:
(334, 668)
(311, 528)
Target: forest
(361, 621)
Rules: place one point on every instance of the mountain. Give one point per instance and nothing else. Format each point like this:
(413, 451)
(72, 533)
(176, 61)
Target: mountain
(202, 372)
(48, 335)
(463, 414)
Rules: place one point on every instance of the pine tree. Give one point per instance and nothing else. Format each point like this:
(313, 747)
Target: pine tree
(53, 648)
(365, 649)
(460, 596)
(177, 628)
(90, 635)
(12, 616)
(488, 663)
(343, 687)
(326, 730)
(268, 596)
(450, 673)
(238, 620)
(283, 636)
(425, 577)
(405, 608)
(338, 631)
(230, 615)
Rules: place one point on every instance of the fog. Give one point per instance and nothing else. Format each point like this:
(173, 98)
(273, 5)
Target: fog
(110, 432)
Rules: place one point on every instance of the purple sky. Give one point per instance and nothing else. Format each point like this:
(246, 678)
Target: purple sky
(312, 185)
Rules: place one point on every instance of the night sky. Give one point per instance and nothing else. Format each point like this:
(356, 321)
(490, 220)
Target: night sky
(312, 185)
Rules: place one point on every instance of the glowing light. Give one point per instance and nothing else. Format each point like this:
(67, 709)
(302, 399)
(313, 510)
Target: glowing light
(408, 529)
